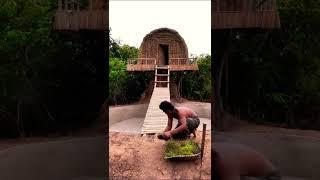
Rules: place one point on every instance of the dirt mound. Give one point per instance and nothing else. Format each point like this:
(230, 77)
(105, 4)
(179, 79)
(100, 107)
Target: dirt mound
(132, 156)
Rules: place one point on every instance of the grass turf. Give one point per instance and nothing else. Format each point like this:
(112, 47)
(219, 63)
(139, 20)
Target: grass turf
(177, 148)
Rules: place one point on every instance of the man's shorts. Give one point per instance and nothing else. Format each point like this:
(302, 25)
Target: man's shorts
(192, 124)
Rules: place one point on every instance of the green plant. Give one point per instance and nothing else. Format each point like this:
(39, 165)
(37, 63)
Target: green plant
(178, 148)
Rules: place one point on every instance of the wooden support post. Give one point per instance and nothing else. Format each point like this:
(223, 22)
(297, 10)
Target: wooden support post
(203, 139)
(78, 7)
(66, 2)
(91, 4)
(60, 5)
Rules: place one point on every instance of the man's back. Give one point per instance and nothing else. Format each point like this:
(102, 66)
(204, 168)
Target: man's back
(186, 112)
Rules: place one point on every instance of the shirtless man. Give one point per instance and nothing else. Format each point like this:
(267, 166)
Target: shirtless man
(188, 121)
(235, 162)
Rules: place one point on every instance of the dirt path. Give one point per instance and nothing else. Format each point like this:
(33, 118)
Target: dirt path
(135, 157)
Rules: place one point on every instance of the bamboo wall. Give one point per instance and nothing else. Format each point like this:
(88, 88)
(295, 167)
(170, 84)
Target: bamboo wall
(150, 46)
(149, 52)
(244, 14)
(69, 16)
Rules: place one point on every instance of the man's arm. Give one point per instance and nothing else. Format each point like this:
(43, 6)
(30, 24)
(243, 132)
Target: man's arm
(182, 127)
(169, 125)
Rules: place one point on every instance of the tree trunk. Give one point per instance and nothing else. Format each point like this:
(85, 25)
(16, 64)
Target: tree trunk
(218, 77)
(19, 122)
(174, 91)
(219, 105)
(26, 54)
(180, 86)
(227, 81)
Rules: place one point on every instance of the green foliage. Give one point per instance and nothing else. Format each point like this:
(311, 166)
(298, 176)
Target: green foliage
(118, 78)
(196, 85)
(124, 52)
(8, 9)
(175, 148)
(127, 52)
(278, 99)
(124, 87)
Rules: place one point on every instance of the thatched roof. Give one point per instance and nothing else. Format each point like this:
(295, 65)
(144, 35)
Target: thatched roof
(150, 43)
(162, 46)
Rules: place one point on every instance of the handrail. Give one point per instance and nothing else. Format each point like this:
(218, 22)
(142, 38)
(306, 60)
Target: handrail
(172, 61)
(68, 5)
(182, 61)
(149, 61)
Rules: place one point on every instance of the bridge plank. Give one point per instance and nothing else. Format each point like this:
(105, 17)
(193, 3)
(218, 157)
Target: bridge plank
(155, 120)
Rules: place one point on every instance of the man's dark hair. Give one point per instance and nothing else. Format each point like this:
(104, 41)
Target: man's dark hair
(165, 106)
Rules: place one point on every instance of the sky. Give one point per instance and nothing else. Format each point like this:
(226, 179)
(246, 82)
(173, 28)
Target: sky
(131, 20)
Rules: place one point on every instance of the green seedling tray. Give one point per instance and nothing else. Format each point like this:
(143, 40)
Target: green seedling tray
(181, 150)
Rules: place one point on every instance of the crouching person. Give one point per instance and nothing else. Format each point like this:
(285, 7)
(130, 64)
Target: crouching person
(188, 121)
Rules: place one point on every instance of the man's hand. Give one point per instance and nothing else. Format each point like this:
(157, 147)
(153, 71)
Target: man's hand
(167, 135)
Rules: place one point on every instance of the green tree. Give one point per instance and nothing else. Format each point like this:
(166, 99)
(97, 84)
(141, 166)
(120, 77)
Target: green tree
(196, 85)
(118, 78)
(124, 87)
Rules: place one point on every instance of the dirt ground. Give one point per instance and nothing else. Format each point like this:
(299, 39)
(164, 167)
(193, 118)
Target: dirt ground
(135, 157)
(295, 152)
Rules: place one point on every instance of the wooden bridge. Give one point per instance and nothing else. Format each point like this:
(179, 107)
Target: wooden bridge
(156, 120)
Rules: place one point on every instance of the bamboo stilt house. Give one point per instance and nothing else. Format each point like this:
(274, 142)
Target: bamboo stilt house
(234, 14)
(162, 46)
(75, 15)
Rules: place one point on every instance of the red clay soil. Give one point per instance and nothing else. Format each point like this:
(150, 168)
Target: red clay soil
(136, 157)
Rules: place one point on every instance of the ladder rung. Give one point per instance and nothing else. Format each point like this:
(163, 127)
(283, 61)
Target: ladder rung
(157, 72)
(162, 81)
(162, 75)
(162, 67)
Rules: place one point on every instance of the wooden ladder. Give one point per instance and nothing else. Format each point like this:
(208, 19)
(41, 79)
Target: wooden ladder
(155, 120)
(162, 76)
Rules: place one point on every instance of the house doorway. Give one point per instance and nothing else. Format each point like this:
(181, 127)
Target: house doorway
(163, 54)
